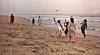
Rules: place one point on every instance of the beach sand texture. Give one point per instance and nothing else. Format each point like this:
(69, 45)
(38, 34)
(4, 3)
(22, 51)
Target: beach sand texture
(23, 38)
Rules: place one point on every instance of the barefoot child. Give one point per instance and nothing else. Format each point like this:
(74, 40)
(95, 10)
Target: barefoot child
(84, 27)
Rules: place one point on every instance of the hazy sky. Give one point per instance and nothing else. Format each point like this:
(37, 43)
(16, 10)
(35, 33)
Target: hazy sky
(49, 6)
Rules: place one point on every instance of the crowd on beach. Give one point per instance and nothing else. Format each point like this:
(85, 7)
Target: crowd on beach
(69, 30)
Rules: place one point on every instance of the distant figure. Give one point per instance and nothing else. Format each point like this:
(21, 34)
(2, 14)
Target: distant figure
(71, 30)
(84, 27)
(33, 21)
(60, 28)
(54, 20)
(12, 19)
(66, 29)
(65, 20)
(39, 21)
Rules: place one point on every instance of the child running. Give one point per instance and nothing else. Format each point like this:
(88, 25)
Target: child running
(84, 27)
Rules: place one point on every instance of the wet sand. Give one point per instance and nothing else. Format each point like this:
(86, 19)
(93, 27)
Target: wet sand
(23, 38)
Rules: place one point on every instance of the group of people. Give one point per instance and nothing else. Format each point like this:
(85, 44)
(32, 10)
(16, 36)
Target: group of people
(12, 19)
(70, 29)
(39, 21)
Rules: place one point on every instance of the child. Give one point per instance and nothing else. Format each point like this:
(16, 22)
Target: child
(33, 21)
(83, 27)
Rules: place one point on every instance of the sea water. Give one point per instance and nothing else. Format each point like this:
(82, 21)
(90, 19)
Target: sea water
(47, 20)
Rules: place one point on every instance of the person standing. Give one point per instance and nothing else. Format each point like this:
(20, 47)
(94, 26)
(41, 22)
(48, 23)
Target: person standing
(71, 30)
(84, 27)
(12, 19)
(39, 21)
(66, 27)
(60, 28)
(54, 20)
(33, 21)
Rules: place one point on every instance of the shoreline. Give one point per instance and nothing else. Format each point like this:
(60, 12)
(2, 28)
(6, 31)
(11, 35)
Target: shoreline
(95, 32)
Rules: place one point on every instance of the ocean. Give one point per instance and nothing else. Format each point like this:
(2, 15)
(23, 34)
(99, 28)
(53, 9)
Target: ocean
(47, 20)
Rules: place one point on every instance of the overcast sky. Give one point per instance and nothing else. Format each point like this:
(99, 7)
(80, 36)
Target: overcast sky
(49, 6)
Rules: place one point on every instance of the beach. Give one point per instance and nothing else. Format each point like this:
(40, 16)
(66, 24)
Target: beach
(23, 38)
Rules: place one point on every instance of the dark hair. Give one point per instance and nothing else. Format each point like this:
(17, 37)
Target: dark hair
(58, 21)
(72, 20)
(39, 16)
(85, 20)
(11, 14)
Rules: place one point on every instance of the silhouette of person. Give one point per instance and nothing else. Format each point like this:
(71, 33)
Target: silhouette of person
(33, 21)
(12, 19)
(54, 20)
(66, 29)
(84, 27)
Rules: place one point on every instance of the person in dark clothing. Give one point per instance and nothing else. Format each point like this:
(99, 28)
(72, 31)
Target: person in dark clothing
(12, 19)
(84, 27)
(66, 29)
(33, 21)
(54, 20)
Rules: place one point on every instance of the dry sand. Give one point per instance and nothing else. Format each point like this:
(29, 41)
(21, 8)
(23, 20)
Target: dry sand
(22, 38)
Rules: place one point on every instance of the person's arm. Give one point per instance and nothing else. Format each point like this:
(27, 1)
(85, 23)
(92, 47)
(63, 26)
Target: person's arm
(81, 23)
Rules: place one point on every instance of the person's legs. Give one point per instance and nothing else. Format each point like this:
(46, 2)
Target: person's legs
(69, 38)
(62, 32)
(66, 32)
(59, 33)
(83, 32)
(72, 37)
(39, 24)
(12, 20)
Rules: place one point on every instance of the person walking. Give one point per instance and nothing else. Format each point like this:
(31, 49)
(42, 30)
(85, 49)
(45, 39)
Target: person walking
(84, 27)
(71, 30)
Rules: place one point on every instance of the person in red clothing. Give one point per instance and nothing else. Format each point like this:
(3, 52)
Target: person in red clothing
(12, 19)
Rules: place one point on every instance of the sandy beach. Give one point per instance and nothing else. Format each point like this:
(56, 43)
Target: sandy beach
(23, 38)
